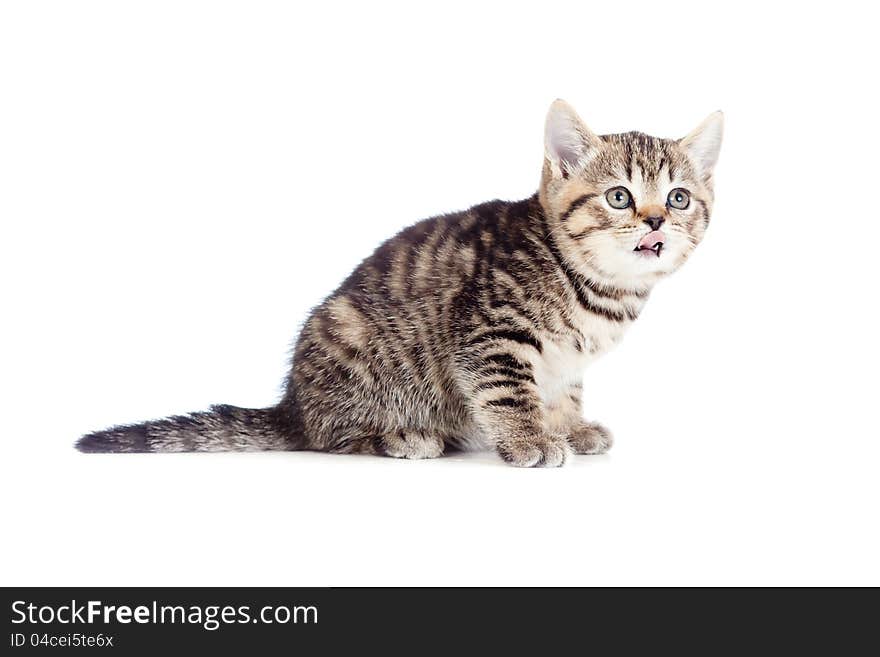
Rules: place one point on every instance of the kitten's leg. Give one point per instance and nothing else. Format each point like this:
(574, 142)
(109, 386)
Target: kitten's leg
(411, 445)
(590, 438)
(397, 444)
(584, 437)
(510, 412)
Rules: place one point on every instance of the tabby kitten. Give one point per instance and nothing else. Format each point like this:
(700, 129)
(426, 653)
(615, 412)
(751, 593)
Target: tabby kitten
(474, 328)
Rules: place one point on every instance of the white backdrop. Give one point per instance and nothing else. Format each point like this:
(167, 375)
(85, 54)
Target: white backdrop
(180, 182)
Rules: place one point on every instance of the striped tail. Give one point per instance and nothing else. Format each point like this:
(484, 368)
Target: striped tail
(223, 428)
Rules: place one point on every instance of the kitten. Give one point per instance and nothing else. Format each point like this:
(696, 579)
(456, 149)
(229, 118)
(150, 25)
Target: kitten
(474, 328)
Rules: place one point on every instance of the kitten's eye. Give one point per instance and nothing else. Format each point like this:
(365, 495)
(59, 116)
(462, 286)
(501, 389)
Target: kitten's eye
(618, 197)
(678, 199)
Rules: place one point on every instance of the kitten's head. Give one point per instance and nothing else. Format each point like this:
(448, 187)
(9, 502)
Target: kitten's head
(627, 208)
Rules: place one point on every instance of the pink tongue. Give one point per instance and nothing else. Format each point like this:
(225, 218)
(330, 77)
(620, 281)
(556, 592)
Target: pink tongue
(649, 240)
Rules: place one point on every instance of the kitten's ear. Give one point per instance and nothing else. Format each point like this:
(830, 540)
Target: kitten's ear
(704, 143)
(568, 142)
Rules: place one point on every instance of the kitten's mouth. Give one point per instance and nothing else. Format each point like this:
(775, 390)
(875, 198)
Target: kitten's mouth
(651, 244)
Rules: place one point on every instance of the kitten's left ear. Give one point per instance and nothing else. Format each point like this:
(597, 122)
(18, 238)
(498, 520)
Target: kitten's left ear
(704, 143)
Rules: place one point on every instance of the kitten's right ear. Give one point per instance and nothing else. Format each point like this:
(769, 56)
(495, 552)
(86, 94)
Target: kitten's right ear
(568, 142)
(704, 143)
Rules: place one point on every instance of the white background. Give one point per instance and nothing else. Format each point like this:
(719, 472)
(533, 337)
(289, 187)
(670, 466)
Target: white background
(180, 182)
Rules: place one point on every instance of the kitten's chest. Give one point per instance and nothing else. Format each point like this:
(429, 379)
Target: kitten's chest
(562, 360)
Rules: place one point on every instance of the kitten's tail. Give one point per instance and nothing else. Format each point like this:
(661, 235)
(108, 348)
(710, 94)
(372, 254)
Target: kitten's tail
(221, 429)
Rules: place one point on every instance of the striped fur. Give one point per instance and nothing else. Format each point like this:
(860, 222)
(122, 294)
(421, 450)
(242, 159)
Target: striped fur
(474, 328)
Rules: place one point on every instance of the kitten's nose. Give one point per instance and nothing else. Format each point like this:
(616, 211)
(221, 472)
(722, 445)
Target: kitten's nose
(655, 222)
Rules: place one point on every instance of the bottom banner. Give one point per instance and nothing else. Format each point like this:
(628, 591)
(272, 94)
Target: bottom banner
(133, 621)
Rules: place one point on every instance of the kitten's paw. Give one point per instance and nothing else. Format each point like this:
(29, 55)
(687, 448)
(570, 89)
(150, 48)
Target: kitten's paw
(412, 445)
(591, 438)
(548, 451)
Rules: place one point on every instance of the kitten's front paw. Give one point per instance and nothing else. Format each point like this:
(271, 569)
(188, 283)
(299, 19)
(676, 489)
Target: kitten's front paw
(535, 451)
(591, 438)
